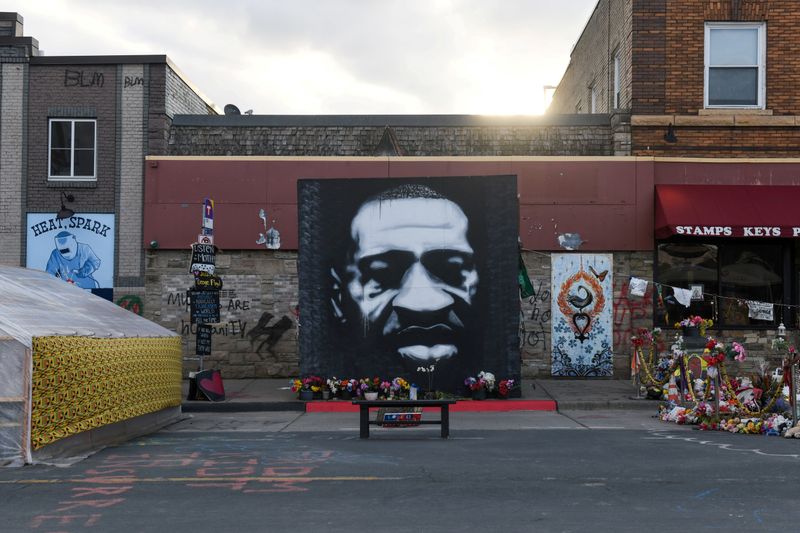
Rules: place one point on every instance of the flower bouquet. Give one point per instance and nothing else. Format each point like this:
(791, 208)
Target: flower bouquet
(716, 353)
(694, 321)
(481, 385)
(307, 387)
(369, 388)
(505, 387)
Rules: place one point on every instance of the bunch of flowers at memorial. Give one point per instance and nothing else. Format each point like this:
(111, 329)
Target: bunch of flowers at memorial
(695, 321)
(504, 387)
(385, 388)
(485, 380)
(349, 385)
(369, 385)
(399, 387)
(648, 337)
(780, 344)
(715, 352)
(312, 383)
(749, 426)
(333, 384)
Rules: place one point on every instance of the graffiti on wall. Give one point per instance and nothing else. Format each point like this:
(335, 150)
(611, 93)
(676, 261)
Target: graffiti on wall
(582, 322)
(535, 318)
(627, 310)
(268, 335)
(395, 274)
(132, 303)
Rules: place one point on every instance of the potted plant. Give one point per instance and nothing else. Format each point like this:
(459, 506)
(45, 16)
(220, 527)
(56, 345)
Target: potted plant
(399, 388)
(370, 388)
(348, 388)
(303, 388)
(694, 325)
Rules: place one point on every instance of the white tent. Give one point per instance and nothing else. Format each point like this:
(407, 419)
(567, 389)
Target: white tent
(71, 362)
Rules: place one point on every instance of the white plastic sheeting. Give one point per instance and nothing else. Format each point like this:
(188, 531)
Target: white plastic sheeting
(35, 304)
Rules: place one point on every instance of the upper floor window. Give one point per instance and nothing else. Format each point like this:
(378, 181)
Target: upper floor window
(735, 65)
(593, 98)
(72, 149)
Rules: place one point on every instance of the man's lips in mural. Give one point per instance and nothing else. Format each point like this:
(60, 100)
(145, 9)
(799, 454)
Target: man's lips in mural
(426, 343)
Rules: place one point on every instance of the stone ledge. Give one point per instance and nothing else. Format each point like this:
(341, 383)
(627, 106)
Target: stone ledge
(736, 120)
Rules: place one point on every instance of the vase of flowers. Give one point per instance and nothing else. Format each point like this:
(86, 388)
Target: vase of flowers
(369, 388)
(308, 387)
(480, 386)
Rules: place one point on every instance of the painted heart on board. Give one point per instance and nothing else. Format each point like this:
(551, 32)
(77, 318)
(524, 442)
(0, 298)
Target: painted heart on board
(210, 383)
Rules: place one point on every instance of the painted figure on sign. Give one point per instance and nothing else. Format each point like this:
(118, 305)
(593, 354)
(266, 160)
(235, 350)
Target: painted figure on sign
(409, 278)
(73, 261)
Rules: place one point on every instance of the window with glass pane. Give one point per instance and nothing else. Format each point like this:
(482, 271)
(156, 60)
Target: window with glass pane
(72, 148)
(686, 266)
(749, 272)
(734, 61)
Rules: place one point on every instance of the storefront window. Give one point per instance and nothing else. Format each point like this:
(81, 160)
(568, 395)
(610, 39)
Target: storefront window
(722, 278)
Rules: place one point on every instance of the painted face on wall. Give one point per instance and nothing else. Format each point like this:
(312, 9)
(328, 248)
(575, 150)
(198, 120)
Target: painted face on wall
(412, 275)
(67, 245)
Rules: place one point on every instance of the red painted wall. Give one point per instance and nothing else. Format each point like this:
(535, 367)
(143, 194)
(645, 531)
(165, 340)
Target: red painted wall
(608, 201)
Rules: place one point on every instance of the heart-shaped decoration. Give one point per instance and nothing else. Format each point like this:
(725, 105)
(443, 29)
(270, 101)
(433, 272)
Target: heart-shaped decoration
(210, 383)
(582, 323)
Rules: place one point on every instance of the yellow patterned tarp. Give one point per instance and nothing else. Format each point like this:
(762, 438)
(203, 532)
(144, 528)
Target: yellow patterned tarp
(80, 383)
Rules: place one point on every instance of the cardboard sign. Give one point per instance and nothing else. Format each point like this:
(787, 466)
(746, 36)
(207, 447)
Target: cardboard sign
(203, 258)
(206, 385)
(393, 420)
(205, 239)
(206, 281)
(204, 306)
(203, 340)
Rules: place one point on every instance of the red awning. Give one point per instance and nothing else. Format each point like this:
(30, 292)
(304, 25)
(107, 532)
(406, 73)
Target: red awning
(757, 211)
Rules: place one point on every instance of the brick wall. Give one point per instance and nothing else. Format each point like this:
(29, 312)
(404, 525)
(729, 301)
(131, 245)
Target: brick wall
(742, 142)
(51, 96)
(415, 141)
(592, 62)
(12, 151)
(648, 43)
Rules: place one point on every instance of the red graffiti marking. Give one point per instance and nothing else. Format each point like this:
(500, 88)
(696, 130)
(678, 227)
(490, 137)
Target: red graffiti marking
(80, 492)
(95, 504)
(626, 310)
(85, 520)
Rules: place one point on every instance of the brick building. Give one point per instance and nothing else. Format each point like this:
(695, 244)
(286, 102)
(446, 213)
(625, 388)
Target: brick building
(75, 132)
(708, 89)
(580, 175)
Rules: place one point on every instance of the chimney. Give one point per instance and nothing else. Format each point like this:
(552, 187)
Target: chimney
(10, 24)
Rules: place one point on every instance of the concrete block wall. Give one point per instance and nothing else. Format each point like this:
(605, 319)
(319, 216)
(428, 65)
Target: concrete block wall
(258, 333)
(592, 62)
(13, 123)
(415, 141)
(130, 186)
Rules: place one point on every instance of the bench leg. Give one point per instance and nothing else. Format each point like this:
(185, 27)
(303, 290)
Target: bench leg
(364, 422)
(445, 421)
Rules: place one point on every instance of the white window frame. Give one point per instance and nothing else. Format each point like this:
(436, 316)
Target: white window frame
(762, 61)
(617, 80)
(72, 176)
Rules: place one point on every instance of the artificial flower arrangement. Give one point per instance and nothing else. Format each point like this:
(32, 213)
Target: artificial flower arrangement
(695, 321)
(399, 388)
(715, 352)
(485, 380)
(780, 344)
(312, 383)
(369, 385)
(648, 337)
(504, 387)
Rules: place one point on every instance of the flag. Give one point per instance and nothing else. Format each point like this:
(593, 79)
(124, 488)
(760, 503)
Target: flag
(525, 286)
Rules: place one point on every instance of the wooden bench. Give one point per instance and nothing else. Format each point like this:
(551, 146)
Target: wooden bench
(443, 421)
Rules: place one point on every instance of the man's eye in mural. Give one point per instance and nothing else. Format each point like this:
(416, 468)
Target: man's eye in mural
(385, 271)
(449, 266)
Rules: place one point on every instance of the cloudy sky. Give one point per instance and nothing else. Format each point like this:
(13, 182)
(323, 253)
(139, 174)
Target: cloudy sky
(333, 56)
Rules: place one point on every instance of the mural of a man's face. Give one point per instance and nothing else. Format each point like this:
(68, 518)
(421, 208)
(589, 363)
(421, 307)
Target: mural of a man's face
(67, 245)
(412, 275)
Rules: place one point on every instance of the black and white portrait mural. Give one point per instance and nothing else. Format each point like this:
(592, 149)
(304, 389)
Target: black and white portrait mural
(401, 273)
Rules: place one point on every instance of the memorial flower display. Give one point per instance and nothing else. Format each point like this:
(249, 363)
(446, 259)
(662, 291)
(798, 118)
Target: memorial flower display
(694, 321)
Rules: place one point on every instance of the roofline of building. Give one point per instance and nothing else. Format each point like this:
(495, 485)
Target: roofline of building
(125, 60)
(7, 40)
(572, 50)
(392, 120)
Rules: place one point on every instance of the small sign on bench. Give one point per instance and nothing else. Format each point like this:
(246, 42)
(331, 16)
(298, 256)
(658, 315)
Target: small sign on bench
(396, 420)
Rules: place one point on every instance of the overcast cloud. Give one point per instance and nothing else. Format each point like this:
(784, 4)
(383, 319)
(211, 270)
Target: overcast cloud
(333, 56)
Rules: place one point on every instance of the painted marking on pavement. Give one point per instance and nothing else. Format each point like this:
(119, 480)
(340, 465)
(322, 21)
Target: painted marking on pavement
(127, 480)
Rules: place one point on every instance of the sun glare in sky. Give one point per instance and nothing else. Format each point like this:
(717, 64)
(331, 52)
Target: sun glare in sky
(345, 57)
